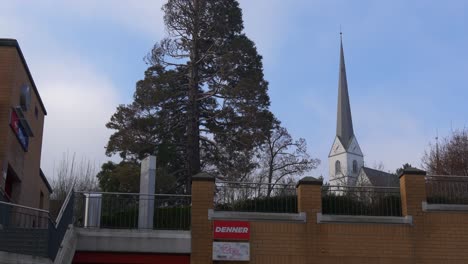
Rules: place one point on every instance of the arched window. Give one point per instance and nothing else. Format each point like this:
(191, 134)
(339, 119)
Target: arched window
(354, 166)
(337, 167)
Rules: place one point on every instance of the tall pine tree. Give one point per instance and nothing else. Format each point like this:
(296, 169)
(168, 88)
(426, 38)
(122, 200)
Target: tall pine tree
(203, 101)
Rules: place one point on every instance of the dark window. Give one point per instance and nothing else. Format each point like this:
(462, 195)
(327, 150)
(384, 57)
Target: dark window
(337, 167)
(354, 166)
(41, 201)
(11, 185)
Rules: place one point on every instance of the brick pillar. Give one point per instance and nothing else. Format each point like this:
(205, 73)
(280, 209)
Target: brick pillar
(413, 191)
(203, 188)
(309, 201)
(309, 197)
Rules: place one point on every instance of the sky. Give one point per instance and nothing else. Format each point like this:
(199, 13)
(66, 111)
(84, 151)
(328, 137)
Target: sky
(406, 62)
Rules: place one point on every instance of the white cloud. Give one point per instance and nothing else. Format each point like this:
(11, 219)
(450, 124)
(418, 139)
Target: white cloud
(79, 97)
(79, 103)
(143, 16)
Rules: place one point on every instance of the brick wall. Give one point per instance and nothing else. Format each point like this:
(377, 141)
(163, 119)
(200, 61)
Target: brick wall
(13, 74)
(434, 237)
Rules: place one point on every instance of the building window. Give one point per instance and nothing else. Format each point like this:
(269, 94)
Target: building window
(354, 166)
(337, 167)
(41, 200)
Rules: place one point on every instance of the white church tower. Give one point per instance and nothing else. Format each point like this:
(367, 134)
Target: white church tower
(345, 158)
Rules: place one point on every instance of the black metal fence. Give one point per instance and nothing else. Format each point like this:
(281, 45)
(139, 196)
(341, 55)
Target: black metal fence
(121, 210)
(447, 189)
(369, 201)
(255, 197)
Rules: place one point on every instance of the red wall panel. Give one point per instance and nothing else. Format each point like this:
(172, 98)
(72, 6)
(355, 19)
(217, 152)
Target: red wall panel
(128, 258)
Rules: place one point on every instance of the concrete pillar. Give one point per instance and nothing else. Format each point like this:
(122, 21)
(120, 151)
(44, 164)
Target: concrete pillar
(93, 204)
(203, 188)
(147, 186)
(413, 191)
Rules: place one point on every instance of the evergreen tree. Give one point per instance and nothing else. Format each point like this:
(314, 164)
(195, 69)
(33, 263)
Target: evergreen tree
(203, 103)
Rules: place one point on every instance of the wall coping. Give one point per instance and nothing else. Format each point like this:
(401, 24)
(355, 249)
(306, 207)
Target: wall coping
(363, 219)
(309, 181)
(411, 171)
(427, 207)
(133, 240)
(8, 257)
(203, 176)
(256, 216)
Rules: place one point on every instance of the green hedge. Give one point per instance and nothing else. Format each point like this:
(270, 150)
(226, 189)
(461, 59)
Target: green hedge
(388, 205)
(177, 218)
(275, 204)
(441, 199)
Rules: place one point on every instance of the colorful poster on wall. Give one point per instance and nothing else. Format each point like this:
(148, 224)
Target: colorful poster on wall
(18, 129)
(231, 251)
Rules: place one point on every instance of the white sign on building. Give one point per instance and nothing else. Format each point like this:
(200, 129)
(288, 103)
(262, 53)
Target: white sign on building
(233, 251)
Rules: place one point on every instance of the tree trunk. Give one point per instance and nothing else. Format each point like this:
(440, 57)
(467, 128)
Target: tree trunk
(193, 129)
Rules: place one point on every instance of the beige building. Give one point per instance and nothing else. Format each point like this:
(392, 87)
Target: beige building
(22, 115)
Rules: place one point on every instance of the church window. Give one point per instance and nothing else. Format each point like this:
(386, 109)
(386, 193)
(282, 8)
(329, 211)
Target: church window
(337, 167)
(354, 166)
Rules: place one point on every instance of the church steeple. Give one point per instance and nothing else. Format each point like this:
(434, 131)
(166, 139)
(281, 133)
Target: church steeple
(344, 125)
(345, 159)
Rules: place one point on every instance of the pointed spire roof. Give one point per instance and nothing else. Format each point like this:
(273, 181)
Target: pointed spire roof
(344, 122)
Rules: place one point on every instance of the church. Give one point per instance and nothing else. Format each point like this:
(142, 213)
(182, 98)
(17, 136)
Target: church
(346, 160)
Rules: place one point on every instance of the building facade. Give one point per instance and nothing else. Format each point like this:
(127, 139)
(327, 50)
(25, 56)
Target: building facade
(22, 114)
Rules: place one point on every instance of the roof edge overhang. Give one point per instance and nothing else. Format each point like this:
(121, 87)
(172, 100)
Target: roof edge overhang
(14, 43)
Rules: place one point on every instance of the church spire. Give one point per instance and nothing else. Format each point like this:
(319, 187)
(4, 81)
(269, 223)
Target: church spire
(344, 125)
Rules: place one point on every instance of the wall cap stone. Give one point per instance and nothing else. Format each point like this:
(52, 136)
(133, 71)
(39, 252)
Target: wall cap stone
(363, 219)
(256, 216)
(411, 171)
(427, 207)
(134, 240)
(309, 181)
(203, 176)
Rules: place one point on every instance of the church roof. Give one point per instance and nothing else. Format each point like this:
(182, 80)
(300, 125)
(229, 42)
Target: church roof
(344, 122)
(381, 178)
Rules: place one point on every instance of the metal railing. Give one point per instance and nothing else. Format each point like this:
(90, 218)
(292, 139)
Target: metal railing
(23, 229)
(255, 197)
(354, 200)
(19, 216)
(121, 210)
(32, 231)
(57, 229)
(442, 189)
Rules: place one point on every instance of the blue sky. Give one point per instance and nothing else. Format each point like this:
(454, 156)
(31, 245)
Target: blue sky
(407, 65)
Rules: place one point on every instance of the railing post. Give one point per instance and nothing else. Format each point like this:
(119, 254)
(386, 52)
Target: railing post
(413, 191)
(203, 188)
(309, 197)
(147, 188)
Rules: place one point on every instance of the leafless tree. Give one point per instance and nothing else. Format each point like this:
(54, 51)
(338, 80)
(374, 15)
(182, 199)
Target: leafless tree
(449, 156)
(69, 171)
(281, 158)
